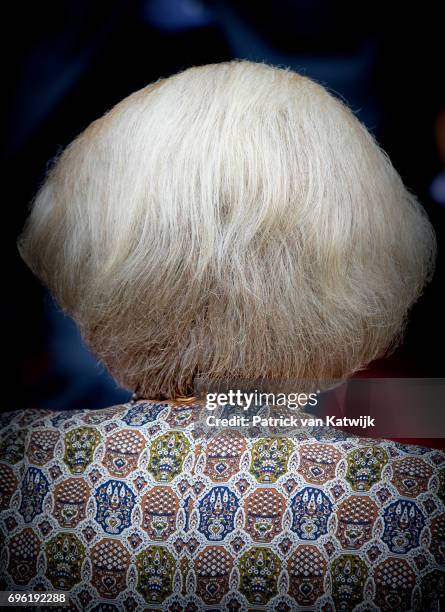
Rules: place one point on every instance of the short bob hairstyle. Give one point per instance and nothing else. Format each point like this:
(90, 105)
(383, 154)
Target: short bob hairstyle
(232, 221)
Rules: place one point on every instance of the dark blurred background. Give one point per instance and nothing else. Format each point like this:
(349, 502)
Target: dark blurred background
(67, 63)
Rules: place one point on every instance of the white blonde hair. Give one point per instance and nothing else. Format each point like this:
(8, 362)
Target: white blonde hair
(232, 221)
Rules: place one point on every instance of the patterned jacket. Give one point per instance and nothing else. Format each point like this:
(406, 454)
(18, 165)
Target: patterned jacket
(133, 508)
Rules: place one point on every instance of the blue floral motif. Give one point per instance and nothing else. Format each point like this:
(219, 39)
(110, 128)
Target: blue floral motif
(35, 486)
(66, 415)
(311, 509)
(219, 522)
(403, 523)
(410, 449)
(115, 501)
(324, 434)
(140, 414)
(217, 513)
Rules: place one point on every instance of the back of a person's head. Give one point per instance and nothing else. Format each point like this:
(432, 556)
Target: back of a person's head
(232, 221)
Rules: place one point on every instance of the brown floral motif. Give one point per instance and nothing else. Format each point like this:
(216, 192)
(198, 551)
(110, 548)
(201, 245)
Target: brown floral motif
(318, 462)
(411, 476)
(127, 512)
(122, 452)
(70, 501)
(223, 455)
(159, 511)
(110, 561)
(8, 485)
(394, 581)
(41, 446)
(213, 566)
(264, 510)
(356, 516)
(437, 546)
(24, 548)
(65, 555)
(307, 569)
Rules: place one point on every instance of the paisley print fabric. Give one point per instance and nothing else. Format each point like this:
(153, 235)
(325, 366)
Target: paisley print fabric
(134, 508)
